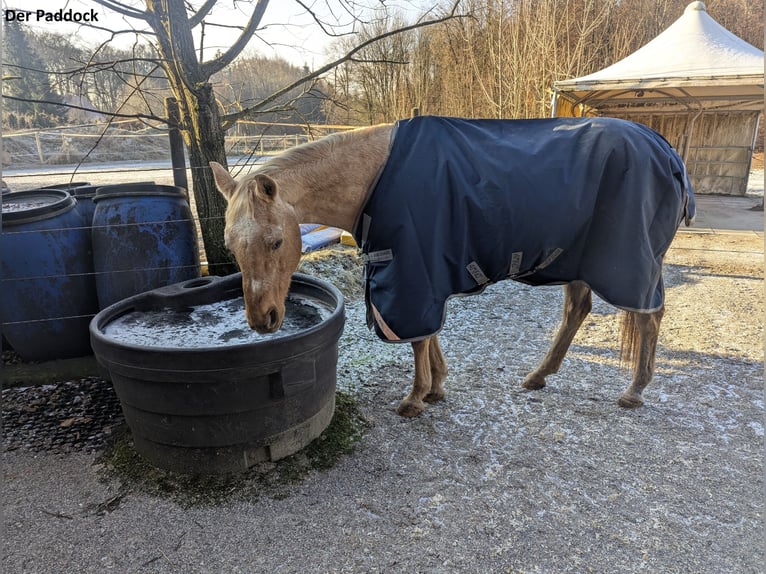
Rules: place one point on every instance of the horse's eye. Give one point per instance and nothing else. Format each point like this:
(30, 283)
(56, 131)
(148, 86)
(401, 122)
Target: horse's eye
(276, 245)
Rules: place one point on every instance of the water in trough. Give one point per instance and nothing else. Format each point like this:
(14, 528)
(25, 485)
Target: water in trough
(213, 325)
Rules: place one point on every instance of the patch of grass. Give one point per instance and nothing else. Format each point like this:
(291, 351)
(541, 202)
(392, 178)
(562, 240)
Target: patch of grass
(121, 462)
(338, 439)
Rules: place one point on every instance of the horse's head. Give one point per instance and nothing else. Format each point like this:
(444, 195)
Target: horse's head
(263, 233)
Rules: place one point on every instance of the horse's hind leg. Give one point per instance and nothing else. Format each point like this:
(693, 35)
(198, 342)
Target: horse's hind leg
(639, 346)
(577, 305)
(412, 405)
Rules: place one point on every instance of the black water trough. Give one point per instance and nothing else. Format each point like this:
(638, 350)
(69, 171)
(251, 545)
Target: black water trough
(201, 392)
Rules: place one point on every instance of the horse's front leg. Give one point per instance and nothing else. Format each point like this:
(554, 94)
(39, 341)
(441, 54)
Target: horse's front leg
(577, 305)
(430, 370)
(438, 367)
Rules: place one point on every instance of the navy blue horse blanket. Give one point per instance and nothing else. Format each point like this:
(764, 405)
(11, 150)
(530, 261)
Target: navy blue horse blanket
(461, 204)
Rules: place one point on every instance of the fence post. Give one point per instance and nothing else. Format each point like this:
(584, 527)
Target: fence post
(177, 156)
(39, 148)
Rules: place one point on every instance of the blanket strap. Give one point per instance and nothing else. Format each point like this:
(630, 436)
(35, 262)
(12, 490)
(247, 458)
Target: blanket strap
(516, 264)
(377, 256)
(477, 274)
(374, 256)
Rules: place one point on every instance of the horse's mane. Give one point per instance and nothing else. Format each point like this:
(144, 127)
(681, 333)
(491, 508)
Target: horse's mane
(302, 158)
(307, 153)
(326, 164)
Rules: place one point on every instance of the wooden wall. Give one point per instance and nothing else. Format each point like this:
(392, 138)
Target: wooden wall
(717, 153)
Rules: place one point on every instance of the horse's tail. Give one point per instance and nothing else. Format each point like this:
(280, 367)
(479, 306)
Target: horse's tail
(629, 340)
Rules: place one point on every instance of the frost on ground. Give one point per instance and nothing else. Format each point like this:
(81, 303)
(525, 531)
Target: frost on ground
(755, 182)
(562, 480)
(492, 479)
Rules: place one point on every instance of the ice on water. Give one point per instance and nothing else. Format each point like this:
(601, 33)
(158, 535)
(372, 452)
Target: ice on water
(219, 324)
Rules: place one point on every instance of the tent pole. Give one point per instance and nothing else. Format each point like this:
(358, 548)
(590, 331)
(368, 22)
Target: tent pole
(752, 143)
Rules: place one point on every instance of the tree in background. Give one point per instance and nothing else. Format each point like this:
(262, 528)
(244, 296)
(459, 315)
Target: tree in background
(502, 62)
(251, 79)
(126, 80)
(380, 71)
(202, 121)
(25, 76)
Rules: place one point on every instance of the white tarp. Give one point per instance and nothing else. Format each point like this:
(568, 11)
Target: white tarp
(694, 58)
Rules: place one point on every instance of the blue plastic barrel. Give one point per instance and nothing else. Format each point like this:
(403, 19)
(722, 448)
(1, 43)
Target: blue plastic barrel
(48, 294)
(143, 238)
(83, 193)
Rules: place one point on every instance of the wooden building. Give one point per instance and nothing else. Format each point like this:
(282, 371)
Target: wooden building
(697, 84)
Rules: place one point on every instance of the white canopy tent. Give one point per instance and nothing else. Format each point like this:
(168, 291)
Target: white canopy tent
(697, 84)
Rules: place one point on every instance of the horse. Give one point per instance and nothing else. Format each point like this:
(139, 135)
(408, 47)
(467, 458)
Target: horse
(331, 181)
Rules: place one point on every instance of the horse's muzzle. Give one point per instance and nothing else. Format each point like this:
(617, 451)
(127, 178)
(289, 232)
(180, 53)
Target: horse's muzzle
(269, 323)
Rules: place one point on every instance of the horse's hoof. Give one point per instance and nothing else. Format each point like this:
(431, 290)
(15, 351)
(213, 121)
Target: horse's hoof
(410, 409)
(533, 382)
(630, 401)
(434, 396)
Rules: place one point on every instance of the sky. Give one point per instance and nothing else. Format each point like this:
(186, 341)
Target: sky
(288, 31)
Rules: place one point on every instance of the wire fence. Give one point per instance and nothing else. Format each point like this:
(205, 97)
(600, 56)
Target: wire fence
(121, 141)
(82, 269)
(128, 162)
(121, 153)
(60, 147)
(84, 155)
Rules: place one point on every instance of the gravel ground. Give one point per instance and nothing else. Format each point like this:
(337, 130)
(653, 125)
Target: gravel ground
(493, 479)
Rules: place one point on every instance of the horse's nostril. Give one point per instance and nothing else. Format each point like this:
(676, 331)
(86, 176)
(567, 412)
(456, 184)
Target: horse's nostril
(273, 317)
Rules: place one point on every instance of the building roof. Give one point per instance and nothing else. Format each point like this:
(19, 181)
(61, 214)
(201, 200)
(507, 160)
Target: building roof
(694, 59)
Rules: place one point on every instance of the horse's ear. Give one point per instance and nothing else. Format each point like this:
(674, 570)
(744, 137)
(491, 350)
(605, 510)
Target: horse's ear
(265, 187)
(223, 180)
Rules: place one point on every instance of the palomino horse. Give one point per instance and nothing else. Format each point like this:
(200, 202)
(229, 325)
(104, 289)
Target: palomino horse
(330, 180)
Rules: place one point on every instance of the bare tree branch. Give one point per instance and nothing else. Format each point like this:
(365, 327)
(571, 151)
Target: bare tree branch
(72, 106)
(378, 61)
(201, 13)
(230, 119)
(212, 66)
(319, 22)
(123, 9)
(109, 123)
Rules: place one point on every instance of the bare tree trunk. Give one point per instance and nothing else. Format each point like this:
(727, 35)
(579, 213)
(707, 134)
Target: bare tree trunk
(205, 141)
(201, 122)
